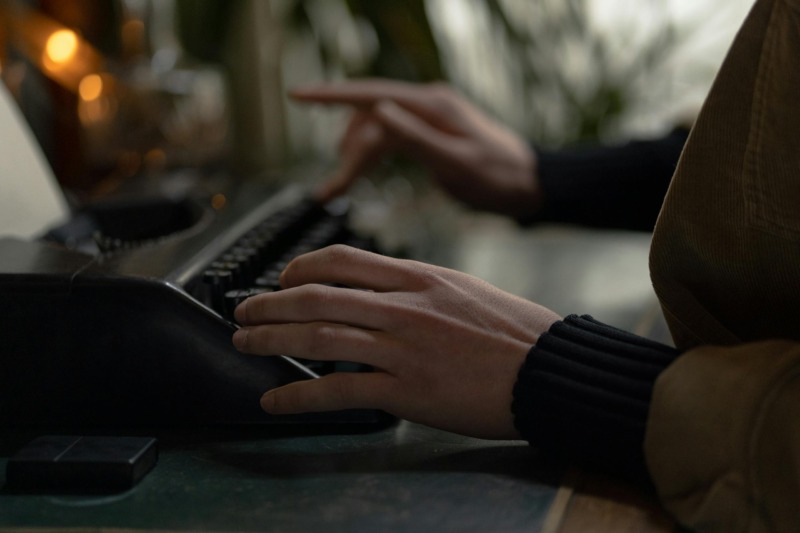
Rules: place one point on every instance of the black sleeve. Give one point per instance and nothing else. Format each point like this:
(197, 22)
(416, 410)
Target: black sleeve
(584, 392)
(608, 186)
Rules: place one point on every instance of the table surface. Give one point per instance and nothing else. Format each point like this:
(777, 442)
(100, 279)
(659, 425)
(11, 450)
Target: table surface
(405, 477)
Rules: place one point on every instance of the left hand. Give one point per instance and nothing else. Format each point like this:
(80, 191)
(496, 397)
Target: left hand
(470, 155)
(446, 347)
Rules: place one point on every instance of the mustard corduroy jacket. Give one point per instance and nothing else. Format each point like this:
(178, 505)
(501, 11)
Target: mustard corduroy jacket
(723, 437)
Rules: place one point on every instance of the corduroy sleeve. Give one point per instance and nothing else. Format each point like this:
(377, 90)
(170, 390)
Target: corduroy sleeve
(723, 437)
(584, 393)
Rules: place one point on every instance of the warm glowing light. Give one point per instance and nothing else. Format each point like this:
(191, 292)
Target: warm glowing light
(98, 101)
(155, 158)
(218, 201)
(91, 87)
(61, 46)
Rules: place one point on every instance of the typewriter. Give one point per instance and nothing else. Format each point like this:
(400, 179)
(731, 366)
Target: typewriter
(139, 334)
(122, 315)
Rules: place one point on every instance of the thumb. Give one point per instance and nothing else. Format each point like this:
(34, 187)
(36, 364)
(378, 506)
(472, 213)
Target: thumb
(334, 392)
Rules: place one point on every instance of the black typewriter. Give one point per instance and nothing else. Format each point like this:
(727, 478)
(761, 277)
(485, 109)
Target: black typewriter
(138, 333)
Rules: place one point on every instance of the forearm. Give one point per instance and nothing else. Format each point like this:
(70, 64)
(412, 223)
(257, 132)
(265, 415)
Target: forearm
(617, 186)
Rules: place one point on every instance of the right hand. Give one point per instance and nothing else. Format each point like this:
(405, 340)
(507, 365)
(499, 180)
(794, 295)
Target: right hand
(446, 347)
(471, 156)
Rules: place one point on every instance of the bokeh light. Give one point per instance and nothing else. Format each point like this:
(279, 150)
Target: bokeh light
(91, 87)
(61, 46)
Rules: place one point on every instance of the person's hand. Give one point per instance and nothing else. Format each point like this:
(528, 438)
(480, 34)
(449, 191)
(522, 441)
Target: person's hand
(446, 347)
(471, 156)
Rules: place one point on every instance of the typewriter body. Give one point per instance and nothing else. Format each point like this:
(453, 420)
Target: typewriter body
(139, 334)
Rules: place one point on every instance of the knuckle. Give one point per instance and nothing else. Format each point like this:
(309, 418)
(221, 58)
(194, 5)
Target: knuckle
(443, 96)
(342, 256)
(320, 338)
(338, 252)
(312, 296)
(316, 299)
(370, 134)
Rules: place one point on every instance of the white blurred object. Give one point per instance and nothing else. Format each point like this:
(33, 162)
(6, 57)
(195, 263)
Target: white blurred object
(31, 200)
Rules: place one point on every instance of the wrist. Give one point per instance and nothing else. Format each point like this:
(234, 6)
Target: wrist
(584, 392)
(525, 197)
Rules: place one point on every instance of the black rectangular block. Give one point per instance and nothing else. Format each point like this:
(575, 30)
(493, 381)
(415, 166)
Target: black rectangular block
(81, 464)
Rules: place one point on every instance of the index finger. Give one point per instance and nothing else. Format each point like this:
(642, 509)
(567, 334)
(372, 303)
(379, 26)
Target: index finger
(352, 267)
(365, 93)
(357, 92)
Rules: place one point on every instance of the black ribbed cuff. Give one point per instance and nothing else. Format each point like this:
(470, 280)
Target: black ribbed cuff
(584, 392)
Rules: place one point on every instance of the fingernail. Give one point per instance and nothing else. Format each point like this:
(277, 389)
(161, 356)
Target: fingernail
(240, 339)
(240, 312)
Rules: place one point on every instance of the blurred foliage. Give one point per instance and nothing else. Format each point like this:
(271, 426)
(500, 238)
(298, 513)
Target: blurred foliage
(405, 46)
(591, 103)
(203, 27)
(533, 43)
